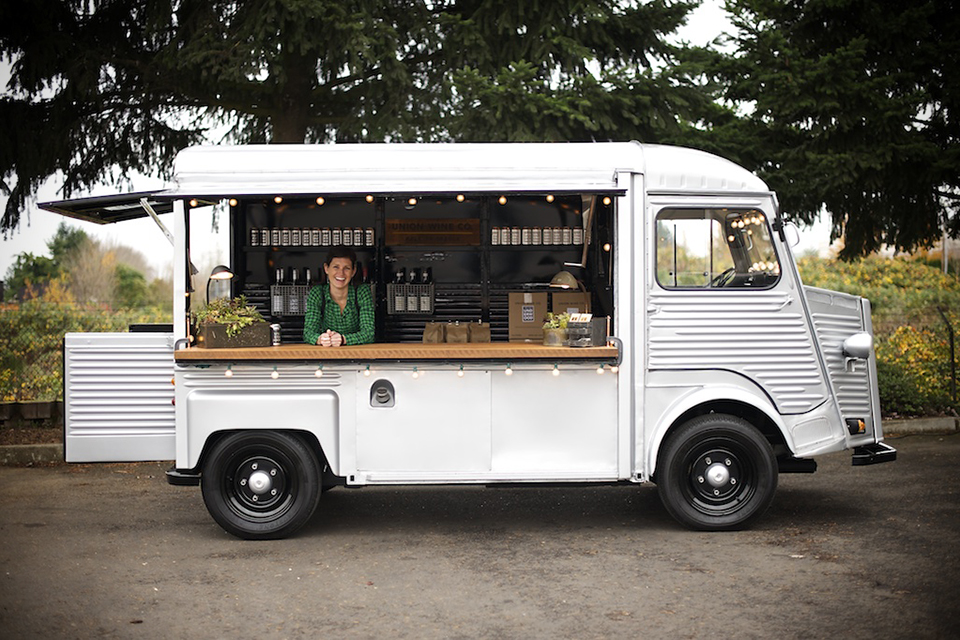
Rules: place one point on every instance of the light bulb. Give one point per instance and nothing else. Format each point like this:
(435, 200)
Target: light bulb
(460, 373)
(416, 374)
(319, 372)
(606, 200)
(502, 200)
(369, 198)
(233, 202)
(600, 370)
(275, 374)
(509, 371)
(278, 199)
(460, 197)
(320, 200)
(366, 372)
(556, 370)
(549, 198)
(229, 372)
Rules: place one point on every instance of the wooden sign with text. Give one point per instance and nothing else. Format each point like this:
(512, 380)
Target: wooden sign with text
(433, 231)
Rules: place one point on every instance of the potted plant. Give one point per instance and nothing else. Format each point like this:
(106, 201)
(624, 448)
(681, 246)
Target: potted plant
(555, 329)
(231, 323)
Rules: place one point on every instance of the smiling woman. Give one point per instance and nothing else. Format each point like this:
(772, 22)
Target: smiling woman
(339, 313)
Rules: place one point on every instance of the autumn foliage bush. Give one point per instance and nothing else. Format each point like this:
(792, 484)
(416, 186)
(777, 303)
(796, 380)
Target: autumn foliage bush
(31, 336)
(912, 339)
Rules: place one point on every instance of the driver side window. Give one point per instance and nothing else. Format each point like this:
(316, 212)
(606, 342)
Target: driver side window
(715, 248)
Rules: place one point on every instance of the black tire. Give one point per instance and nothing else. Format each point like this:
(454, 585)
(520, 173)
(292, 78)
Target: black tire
(716, 473)
(261, 485)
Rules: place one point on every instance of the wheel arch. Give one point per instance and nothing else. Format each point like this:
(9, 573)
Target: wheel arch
(308, 437)
(728, 400)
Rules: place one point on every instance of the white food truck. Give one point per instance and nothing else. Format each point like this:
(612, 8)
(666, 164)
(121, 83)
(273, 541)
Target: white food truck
(697, 360)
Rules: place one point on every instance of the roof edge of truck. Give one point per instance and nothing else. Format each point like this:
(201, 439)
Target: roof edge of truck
(211, 173)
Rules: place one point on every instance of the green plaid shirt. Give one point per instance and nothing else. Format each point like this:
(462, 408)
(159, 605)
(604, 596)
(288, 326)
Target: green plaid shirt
(355, 323)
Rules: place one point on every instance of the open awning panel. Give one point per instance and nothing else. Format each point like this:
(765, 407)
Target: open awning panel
(109, 209)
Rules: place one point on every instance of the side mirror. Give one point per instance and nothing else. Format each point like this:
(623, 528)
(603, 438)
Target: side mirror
(791, 234)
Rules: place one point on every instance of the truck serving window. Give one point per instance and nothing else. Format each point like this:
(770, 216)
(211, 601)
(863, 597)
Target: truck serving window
(715, 248)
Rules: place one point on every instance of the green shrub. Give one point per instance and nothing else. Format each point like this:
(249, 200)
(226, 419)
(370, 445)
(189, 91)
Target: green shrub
(31, 335)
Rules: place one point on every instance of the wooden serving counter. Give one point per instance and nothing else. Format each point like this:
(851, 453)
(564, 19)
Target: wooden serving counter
(399, 352)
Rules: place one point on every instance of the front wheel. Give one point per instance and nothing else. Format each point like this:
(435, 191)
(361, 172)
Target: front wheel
(716, 472)
(261, 485)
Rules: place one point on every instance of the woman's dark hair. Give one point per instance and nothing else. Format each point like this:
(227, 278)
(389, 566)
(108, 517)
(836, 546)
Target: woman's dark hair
(341, 251)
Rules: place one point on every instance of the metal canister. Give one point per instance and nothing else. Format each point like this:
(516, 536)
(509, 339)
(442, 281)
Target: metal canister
(275, 334)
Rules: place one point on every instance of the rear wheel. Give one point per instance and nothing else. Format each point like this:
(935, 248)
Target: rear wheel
(261, 485)
(716, 472)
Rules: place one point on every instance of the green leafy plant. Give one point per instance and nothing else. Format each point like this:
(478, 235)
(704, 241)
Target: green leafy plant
(556, 320)
(235, 314)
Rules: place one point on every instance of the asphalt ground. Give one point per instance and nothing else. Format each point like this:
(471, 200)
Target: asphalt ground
(113, 551)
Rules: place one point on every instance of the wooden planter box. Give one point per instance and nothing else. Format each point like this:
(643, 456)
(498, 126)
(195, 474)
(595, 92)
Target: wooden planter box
(214, 336)
(36, 410)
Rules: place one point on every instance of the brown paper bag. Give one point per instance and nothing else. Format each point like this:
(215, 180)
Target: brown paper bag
(479, 331)
(434, 332)
(457, 333)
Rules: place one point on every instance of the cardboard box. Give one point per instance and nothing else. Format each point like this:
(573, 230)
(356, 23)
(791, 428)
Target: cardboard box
(570, 302)
(527, 311)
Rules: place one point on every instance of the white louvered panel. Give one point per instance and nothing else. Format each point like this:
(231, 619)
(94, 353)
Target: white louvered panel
(761, 335)
(118, 398)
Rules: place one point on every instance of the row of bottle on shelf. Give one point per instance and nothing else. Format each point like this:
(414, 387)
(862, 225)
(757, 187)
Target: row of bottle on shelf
(305, 276)
(409, 292)
(360, 237)
(311, 237)
(536, 235)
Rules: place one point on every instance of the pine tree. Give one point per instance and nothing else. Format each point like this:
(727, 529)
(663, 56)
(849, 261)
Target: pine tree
(851, 107)
(102, 88)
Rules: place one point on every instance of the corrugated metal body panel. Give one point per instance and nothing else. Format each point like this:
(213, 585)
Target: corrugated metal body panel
(836, 317)
(118, 397)
(761, 335)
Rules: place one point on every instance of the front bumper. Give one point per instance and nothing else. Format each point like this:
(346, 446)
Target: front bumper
(873, 454)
